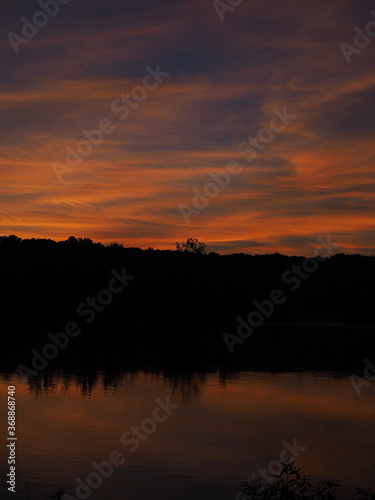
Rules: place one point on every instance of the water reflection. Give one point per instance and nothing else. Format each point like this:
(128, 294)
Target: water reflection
(227, 427)
(187, 385)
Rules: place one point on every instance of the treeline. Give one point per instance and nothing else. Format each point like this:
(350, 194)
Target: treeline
(174, 298)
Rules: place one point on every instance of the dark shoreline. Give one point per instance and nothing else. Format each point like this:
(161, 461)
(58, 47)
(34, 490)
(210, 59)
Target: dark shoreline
(272, 347)
(171, 309)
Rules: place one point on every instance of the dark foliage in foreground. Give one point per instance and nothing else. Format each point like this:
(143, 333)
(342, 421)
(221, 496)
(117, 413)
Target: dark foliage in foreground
(290, 484)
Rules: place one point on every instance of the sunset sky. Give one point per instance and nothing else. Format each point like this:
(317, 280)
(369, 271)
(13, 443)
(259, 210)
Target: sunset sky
(315, 178)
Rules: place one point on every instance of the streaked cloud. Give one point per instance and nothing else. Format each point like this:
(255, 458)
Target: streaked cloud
(315, 178)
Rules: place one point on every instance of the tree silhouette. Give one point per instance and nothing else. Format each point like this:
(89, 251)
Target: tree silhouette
(191, 245)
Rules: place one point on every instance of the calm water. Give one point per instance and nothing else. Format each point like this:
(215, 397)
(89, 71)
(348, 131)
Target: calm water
(224, 430)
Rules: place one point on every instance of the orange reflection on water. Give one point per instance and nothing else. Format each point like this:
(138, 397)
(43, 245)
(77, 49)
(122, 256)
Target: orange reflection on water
(226, 428)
